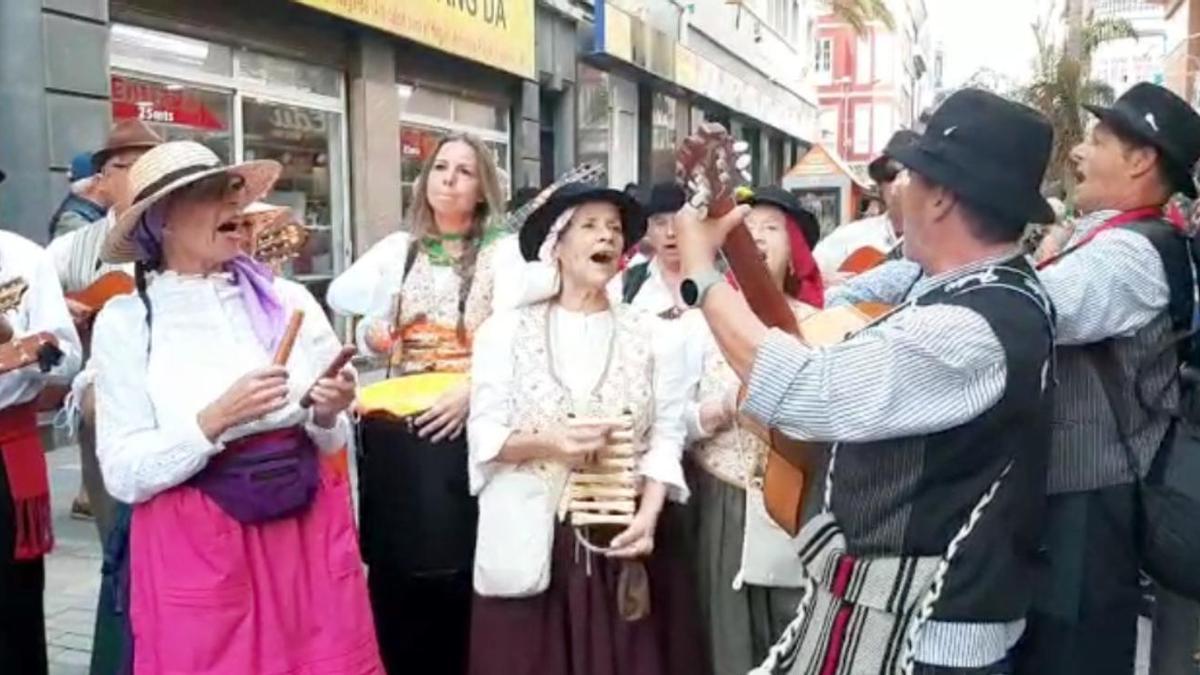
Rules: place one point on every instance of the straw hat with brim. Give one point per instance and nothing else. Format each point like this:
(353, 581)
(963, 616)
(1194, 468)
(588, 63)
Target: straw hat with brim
(263, 215)
(167, 168)
(537, 225)
(1157, 116)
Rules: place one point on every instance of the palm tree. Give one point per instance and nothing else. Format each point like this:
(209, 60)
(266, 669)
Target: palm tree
(859, 13)
(1062, 85)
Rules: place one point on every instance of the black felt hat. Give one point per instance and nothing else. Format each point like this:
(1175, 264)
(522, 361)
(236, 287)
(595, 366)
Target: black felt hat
(538, 224)
(880, 169)
(665, 198)
(789, 204)
(989, 151)
(1158, 117)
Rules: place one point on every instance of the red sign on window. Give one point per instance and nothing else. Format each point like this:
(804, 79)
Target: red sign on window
(158, 103)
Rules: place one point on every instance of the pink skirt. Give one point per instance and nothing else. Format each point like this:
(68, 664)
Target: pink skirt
(212, 596)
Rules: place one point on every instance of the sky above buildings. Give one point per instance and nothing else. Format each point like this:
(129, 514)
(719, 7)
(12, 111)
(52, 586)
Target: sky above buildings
(994, 34)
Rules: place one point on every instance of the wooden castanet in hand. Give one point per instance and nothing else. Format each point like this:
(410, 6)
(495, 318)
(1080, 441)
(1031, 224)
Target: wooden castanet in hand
(343, 357)
(289, 338)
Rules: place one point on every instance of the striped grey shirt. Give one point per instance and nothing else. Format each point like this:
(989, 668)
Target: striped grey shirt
(1110, 287)
(924, 370)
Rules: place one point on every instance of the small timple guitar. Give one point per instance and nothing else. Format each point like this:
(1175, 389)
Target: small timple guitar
(40, 348)
(584, 173)
(280, 243)
(711, 166)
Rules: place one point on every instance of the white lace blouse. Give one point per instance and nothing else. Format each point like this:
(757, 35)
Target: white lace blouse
(148, 437)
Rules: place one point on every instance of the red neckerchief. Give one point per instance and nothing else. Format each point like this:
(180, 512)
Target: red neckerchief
(1116, 221)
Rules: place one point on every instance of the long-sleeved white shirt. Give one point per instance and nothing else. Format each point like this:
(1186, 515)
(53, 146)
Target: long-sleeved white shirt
(148, 436)
(654, 296)
(579, 340)
(42, 309)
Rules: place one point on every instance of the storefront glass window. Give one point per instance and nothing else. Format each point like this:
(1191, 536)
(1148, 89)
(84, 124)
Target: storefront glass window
(417, 143)
(284, 73)
(664, 137)
(303, 141)
(595, 114)
(190, 89)
(427, 115)
(168, 50)
(177, 112)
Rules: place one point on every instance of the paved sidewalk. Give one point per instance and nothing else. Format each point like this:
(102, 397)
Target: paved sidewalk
(73, 577)
(72, 572)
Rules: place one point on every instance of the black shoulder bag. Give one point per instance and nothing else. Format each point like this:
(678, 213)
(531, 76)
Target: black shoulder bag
(1167, 522)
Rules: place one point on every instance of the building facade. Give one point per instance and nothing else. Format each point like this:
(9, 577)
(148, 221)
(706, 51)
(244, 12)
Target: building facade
(352, 97)
(652, 70)
(1182, 45)
(1123, 63)
(873, 83)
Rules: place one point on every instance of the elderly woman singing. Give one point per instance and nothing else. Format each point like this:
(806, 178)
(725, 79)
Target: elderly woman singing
(242, 550)
(576, 432)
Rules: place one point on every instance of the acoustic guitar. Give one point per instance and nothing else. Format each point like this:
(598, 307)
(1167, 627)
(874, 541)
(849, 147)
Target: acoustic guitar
(709, 163)
(99, 292)
(279, 243)
(40, 348)
(867, 258)
(584, 173)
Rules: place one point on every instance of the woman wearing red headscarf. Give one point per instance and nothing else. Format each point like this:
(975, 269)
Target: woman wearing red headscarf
(744, 562)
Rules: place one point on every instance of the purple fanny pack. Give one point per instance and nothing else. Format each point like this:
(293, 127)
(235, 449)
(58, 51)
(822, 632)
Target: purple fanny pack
(262, 477)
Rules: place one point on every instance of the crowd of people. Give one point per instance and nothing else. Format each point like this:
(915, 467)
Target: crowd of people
(583, 490)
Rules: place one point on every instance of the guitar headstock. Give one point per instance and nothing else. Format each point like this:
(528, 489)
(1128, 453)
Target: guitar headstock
(279, 243)
(711, 166)
(11, 293)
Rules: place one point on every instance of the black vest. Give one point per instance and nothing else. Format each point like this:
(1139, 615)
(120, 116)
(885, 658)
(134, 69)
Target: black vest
(910, 496)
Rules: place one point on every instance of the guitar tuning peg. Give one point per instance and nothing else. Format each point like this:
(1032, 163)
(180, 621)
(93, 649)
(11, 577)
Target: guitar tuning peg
(741, 146)
(743, 162)
(747, 177)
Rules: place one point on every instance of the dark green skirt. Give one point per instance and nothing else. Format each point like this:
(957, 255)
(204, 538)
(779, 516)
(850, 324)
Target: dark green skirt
(740, 626)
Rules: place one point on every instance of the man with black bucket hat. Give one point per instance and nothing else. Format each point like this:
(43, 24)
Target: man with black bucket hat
(653, 285)
(1113, 287)
(922, 559)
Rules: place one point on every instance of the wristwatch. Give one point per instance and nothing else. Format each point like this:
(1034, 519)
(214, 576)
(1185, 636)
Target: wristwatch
(693, 289)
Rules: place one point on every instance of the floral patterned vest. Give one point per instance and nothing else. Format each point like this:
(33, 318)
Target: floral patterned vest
(539, 402)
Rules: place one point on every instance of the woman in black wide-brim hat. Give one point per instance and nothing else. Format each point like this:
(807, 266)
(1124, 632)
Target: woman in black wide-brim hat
(560, 388)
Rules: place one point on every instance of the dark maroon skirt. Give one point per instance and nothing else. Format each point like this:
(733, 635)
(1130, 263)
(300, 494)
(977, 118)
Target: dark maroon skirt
(574, 628)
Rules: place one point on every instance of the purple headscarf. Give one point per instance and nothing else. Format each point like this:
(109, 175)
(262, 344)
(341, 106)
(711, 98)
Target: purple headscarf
(253, 279)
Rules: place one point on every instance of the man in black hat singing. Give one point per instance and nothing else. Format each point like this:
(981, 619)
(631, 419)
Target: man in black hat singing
(940, 411)
(1111, 290)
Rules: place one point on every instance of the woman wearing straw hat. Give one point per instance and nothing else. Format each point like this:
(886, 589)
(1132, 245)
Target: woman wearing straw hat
(242, 552)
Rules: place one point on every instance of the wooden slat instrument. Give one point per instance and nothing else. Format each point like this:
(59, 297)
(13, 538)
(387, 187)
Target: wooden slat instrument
(602, 495)
(708, 161)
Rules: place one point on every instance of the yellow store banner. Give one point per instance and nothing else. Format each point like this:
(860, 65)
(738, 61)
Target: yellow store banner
(498, 33)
